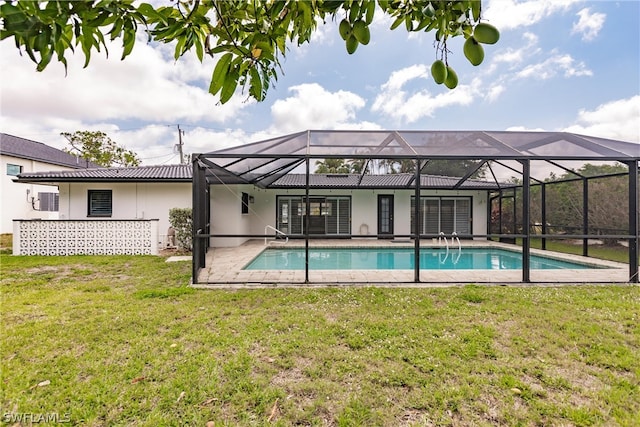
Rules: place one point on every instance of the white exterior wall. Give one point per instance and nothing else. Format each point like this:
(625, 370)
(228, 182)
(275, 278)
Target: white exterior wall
(153, 201)
(365, 209)
(16, 202)
(226, 214)
(226, 217)
(129, 200)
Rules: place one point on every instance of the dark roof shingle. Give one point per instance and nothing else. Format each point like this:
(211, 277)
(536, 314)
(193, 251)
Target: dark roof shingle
(27, 149)
(183, 173)
(164, 173)
(399, 180)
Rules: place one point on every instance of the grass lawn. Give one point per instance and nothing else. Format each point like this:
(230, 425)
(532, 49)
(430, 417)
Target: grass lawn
(105, 341)
(617, 253)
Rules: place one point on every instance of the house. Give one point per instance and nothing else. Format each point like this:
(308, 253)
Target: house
(30, 201)
(265, 188)
(381, 206)
(125, 198)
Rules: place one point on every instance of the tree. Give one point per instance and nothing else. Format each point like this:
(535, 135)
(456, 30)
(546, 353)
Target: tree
(607, 213)
(332, 166)
(97, 147)
(357, 165)
(455, 168)
(249, 38)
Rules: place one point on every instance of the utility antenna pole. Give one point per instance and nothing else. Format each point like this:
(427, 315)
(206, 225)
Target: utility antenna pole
(179, 145)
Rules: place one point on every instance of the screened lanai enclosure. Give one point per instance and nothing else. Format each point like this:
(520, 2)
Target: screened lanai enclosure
(368, 207)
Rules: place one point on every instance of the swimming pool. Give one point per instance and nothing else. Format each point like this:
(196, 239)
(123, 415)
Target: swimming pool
(402, 259)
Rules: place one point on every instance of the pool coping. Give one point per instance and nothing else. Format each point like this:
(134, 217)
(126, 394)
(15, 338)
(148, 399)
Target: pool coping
(224, 269)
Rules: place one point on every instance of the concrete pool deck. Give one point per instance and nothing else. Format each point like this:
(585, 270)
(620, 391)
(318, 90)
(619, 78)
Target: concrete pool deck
(224, 268)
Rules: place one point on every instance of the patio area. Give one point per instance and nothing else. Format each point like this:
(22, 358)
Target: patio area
(224, 268)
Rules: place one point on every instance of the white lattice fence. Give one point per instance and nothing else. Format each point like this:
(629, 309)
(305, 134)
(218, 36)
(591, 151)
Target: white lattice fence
(85, 237)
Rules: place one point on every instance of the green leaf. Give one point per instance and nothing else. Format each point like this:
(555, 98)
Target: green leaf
(45, 59)
(371, 9)
(128, 41)
(199, 49)
(255, 88)
(399, 20)
(229, 86)
(475, 10)
(220, 73)
(116, 30)
(179, 47)
(408, 23)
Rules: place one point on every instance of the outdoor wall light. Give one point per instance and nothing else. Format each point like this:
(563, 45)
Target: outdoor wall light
(251, 199)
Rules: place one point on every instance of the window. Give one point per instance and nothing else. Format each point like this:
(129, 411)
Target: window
(245, 203)
(14, 170)
(49, 202)
(99, 203)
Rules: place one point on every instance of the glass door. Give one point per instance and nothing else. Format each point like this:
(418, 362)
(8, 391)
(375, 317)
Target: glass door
(385, 216)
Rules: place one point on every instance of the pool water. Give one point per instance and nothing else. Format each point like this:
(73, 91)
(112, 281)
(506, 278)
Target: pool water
(401, 259)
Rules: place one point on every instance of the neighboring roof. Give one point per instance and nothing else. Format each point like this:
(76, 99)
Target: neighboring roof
(161, 173)
(31, 150)
(183, 173)
(265, 162)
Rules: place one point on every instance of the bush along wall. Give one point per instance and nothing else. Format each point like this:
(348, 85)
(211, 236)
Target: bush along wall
(181, 220)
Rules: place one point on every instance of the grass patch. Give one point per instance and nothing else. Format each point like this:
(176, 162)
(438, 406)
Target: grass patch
(163, 293)
(617, 253)
(6, 243)
(122, 340)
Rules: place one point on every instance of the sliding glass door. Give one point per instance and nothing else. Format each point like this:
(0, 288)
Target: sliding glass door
(327, 215)
(443, 214)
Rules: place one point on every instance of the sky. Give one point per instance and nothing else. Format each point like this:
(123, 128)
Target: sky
(560, 65)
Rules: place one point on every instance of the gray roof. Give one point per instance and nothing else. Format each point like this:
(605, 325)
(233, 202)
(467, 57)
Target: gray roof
(183, 173)
(31, 150)
(400, 180)
(161, 173)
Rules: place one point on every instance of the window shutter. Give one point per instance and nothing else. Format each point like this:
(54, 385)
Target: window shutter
(100, 203)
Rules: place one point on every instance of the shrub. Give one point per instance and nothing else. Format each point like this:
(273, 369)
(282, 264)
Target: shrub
(182, 222)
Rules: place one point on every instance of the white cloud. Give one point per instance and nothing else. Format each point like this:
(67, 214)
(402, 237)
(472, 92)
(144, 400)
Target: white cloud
(524, 129)
(401, 106)
(494, 92)
(313, 107)
(145, 86)
(510, 14)
(513, 57)
(589, 24)
(552, 66)
(618, 119)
